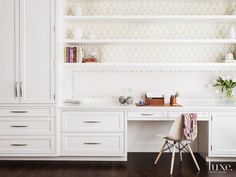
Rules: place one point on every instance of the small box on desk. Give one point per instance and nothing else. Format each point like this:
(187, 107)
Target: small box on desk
(154, 101)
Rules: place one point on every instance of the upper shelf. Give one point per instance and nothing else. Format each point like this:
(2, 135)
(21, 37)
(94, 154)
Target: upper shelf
(117, 41)
(153, 18)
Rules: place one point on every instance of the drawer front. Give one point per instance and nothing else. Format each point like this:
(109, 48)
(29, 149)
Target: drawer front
(93, 144)
(20, 126)
(147, 114)
(202, 115)
(25, 111)
(93, 121)
(20, 146)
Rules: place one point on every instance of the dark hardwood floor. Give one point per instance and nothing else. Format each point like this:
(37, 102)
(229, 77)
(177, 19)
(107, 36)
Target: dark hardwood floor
(138, 165)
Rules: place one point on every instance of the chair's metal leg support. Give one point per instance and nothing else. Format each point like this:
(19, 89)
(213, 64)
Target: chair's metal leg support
(161, 151)
(180, 153)
(172, 160)
(195, 161)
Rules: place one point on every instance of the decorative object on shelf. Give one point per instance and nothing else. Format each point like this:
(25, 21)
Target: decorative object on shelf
(78, 11)
(229, 56)
(126, 100)
(154, 99)
(173, 99)
(77, 33)
(232, 33)
(91, 58)
(226, 86)
(122, 99)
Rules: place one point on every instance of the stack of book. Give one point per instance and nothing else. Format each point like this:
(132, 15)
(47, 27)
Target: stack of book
(73, 55)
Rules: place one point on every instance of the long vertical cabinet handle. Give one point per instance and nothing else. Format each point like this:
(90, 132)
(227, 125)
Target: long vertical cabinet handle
(21, 89)
(16, 90)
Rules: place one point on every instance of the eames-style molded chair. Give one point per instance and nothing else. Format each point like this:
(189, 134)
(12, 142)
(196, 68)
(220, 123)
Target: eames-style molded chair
(175, 140)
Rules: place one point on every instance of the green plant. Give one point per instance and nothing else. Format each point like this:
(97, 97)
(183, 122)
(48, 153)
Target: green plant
(226, 85)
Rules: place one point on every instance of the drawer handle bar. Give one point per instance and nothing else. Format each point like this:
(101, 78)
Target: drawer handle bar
(147, 114)
(21, 112)
(92, 122)
(92, 143)
(19, 126)
(19, 144)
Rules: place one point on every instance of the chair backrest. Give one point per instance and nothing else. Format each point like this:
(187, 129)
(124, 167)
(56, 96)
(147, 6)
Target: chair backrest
(176, 131)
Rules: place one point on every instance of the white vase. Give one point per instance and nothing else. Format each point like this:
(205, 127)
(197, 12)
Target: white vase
(232, 33)
(78, 33)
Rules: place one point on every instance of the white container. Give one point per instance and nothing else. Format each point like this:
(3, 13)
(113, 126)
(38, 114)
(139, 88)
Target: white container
(229, 56)
(232, 33)
(78, 33)
(78, 11)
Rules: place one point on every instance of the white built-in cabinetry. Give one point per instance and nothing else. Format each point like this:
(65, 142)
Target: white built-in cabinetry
(223, 140)
(93, 133)
(27, 53)
(27, 113)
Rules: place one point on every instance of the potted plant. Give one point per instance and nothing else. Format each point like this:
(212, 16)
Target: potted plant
(226, 85)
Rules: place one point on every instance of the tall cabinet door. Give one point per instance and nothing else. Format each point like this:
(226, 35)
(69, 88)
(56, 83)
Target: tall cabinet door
(223, 131)
(9, 51)
(37, 51)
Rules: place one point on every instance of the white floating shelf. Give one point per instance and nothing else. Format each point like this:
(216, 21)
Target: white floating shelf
(114, 41)
(149, 64)
(151, 18)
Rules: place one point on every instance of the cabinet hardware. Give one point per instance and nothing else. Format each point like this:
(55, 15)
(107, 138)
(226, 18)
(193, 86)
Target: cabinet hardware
(19, 144)
(92, 122)
(211, 147)
(211, 117)
(21, 91)
(21, 112)
(19, 126)
(147, 114)
(16, 90)
(92, 143)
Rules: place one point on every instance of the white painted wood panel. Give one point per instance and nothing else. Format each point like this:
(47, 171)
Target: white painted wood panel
(110, 121)
(223, 133)
(26, 111)
(21, 146)
(93, 144)
(9, 38)
(37, 51)
(21, 126)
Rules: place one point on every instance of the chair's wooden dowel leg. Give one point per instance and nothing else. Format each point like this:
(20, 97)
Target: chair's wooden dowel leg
(159, 155)
(172, 161)
(195, 161)
(180, 153)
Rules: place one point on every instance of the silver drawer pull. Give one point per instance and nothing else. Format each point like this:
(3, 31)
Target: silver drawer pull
(21, 112)
(92, 122)
(19, 126)
(147, 114)
(19, 144)
(92, 143)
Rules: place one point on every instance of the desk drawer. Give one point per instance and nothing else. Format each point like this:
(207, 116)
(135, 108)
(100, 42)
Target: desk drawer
(75, 121)
(200, 114)
(93, 144)
(147, 114)
(21, 126)
(19, 146)
(25, 111)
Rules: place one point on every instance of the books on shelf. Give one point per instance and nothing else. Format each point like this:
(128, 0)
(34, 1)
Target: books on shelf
(73, 54)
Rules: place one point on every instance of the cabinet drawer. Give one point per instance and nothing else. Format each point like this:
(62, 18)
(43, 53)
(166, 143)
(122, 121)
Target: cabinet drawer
(147, 114)
(21, 126)
(75, 121)
(93, 144)
(20, 146)
(200, 114)
(25, 111)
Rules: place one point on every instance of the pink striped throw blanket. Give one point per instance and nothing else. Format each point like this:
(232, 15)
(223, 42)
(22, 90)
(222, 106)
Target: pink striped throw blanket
(190, 126)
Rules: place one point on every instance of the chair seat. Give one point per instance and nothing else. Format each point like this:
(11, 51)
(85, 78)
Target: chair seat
(173, 138)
